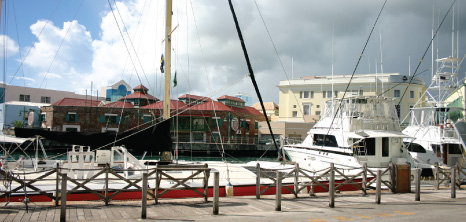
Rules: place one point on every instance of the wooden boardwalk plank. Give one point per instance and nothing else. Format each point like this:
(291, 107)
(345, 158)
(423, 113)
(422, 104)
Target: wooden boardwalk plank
(87, 213)
(42, 214)
(20, 214)
(4, 212)
(80, 213)
(35, 214)
(28, 215)
(50, 213)
(72, 213)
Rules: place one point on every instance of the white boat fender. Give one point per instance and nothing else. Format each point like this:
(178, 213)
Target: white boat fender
(229, 190)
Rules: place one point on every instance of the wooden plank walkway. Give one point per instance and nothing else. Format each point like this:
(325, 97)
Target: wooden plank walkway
(192, 208)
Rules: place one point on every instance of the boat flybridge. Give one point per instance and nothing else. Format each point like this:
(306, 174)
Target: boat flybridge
(437, 130)
(365, 129)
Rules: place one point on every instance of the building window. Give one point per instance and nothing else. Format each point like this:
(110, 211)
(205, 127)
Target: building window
(336, 94)
(45, 99)
(300, 94)
(396, 93)
(306, 109)
(294, 106)
(329, 94)
(109, 118)
(318, 106)
(25, 98)
(324, 94)
(306, 94)
(361, 92)
(71, 117)
(295, 113)
(317, 113)
(43, 117)
(312, 94)
(411, 94)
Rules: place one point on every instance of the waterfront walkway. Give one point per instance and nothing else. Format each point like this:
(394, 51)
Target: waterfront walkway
(348, 206)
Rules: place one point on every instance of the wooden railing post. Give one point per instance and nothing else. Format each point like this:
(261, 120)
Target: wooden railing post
(63, 197)
(417, 181)
(331, 186)
(57, 184)
(144, 196)
(216, 192)
(364, 179)
(453, 182)
(107, 168)
(206, 181)
(258, 181)
(378, 191)
(393, 176)
(278, 193)
(437, 175)
(296, 179)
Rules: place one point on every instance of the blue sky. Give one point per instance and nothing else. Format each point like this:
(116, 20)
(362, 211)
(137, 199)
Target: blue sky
(207, 53)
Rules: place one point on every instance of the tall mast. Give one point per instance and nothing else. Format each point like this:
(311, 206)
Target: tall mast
(168, 30)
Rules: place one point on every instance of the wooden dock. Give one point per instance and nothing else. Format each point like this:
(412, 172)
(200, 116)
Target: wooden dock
(196, 209)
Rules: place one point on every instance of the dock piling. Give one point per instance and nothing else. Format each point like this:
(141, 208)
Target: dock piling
(296, 179)
(437, 176)
(278, 193)
(63, 197)
(378, 188)
(364, 179)
(216, 192)
(417, 181)
(331, 186)
(144, 196)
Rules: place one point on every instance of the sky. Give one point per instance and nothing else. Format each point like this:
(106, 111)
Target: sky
(85, 45)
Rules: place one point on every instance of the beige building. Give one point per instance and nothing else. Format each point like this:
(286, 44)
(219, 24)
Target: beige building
(271, 108)
(303, 99)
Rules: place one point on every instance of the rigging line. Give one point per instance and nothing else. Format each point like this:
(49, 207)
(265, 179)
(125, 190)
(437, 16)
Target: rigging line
(131, 42)
(19, 42)
(123, 38)
(355, 68)
(251, 74)
(205, 69)
(36, 40)
(59, 47)
(427, 49)
(402, 82)
(279, 58)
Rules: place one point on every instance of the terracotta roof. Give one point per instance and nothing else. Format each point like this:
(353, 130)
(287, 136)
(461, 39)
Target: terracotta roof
(138, 95)
(76, 102)
(140, 87)
(230, 98)
(208, 106)
(119, 104)
(201, 98)
(249, 112)
(174, 104)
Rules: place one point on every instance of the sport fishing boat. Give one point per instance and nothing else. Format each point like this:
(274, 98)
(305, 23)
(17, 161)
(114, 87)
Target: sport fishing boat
(352, 131)
(436, 127)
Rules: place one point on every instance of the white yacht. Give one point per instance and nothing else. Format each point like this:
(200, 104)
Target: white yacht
(352, 131)
(435, 127)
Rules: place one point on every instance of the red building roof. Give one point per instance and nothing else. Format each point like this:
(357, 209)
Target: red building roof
(76, 102)
(194, 97)
(174, 104)
(119, 104)
(211, 106)
(230, 98)
(138, 95)
(140, 87)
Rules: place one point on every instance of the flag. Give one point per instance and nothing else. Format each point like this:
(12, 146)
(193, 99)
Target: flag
(162, 63)
(174, 81)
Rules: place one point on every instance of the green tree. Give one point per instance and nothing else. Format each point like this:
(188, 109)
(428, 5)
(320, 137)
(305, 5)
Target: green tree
(17, 123)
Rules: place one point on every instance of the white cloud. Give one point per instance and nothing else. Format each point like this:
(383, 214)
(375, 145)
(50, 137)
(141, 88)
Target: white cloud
(10, 46)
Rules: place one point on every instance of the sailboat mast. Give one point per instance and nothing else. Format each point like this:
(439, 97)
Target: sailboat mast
(168, 30)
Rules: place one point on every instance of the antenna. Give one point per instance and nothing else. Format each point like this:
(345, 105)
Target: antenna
(292, 72)
(381, 58)
(409, 64)
(433, 16)
(333, 35)
(376, 76)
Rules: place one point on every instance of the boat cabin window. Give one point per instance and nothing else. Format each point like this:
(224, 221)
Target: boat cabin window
(385, 146)
(365, 147)
(370, 146)
(325, 140)
(414, 147)
(453, 148)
